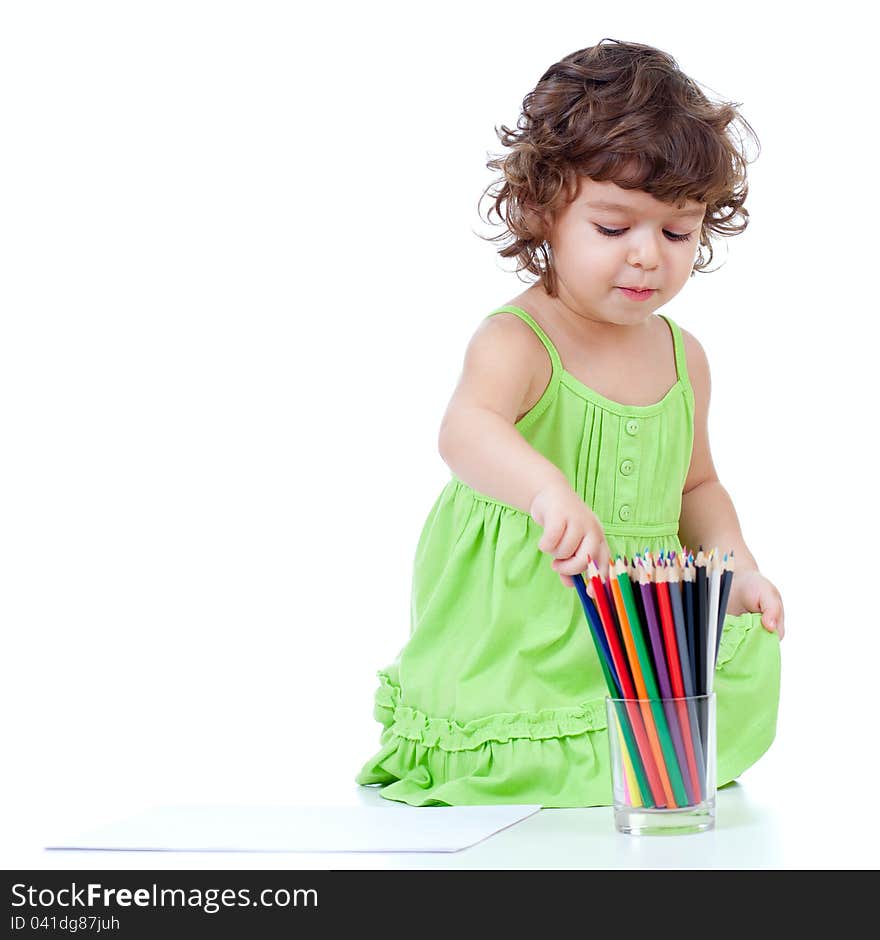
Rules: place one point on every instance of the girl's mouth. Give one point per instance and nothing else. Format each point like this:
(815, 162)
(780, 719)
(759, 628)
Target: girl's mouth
(636, 294)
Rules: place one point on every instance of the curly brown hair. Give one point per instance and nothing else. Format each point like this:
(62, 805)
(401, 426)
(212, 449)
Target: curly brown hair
(625, 112)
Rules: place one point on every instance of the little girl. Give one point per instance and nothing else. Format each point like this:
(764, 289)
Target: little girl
(578, 428)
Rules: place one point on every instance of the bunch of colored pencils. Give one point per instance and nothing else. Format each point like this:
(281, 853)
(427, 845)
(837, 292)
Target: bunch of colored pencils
(656, 626)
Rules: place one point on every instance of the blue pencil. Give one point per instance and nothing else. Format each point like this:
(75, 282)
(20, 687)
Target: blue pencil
(615, 689)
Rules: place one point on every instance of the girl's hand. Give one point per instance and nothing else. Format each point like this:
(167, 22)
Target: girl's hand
(752, 592)
(571, 533)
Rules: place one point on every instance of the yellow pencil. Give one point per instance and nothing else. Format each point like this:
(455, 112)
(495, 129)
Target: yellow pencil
(635, 798)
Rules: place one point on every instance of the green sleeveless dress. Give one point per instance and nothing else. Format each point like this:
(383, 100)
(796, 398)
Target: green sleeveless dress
(498, 696)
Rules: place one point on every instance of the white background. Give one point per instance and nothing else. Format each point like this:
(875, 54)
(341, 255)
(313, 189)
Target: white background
(240, 265)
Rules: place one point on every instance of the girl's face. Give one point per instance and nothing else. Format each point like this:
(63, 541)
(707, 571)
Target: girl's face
(610, 238)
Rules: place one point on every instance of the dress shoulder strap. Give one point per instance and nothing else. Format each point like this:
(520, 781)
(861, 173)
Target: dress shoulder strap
(680, 357)
(550, 392)
(545, 339)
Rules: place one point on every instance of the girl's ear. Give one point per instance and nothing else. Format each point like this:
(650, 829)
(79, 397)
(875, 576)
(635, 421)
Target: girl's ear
(539, 222)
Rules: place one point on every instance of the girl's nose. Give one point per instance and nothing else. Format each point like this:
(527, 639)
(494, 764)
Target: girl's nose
(643, 251)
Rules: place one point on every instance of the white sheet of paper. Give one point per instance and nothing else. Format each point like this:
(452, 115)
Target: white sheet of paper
(395, 828)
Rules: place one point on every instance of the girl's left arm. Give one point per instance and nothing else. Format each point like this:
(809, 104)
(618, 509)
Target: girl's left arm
(708, 517)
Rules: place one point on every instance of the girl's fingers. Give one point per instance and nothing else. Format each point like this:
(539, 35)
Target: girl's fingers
(569, 544)
(574, 558)
(552, 535)
(577, 563)
(772, 620)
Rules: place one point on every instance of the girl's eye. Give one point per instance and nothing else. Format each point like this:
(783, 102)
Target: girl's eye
(614, 232)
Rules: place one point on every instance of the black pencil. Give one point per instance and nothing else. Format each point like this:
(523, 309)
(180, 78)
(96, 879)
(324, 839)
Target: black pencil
(688, 580)
(726, 580)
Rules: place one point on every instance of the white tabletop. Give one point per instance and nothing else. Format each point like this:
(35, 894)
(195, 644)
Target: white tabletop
(756, 828)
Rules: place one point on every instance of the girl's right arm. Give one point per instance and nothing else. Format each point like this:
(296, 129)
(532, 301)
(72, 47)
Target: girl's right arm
(477, 437)
(481, 445)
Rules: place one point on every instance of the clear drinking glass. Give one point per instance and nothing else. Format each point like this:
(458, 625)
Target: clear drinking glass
(663, 756)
